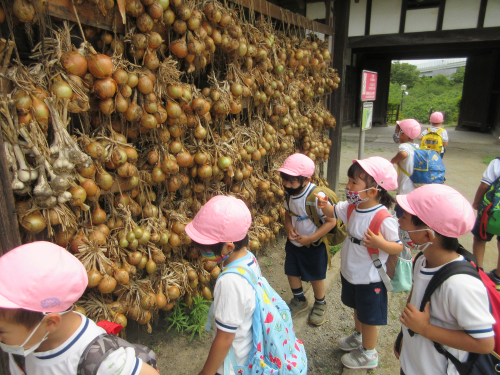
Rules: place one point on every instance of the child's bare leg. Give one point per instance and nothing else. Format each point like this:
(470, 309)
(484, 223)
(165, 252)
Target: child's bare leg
(295, 282)
(370, 334)
(318, 288)
(357, 323)
(478, 248)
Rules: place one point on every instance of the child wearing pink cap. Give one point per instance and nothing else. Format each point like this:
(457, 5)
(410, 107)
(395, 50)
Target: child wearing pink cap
(363, 283)
(39, 283)
(458, 316)
(220, 231)
(406, 131)
(436, 121)
(306, 254)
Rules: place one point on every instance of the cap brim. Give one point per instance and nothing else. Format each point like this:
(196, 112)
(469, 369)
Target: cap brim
(6, 304)
(197, 236)
(288, 172)
(403, 202)
(397, 122)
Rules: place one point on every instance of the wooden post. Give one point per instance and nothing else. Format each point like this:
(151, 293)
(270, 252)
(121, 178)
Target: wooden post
(341, 22)
(9, 230)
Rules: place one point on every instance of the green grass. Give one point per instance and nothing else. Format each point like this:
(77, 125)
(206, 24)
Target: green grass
(335, 249)
(487, 159)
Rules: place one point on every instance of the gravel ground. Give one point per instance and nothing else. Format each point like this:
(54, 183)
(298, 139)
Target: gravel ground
(178, 356)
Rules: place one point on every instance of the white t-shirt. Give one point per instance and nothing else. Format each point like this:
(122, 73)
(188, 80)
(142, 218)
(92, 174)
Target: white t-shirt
(298, 207)
(234, 305)
(356, 264)
(492, 172)
(460, 303)
(444, 133)
(64, 359)
(405, 184)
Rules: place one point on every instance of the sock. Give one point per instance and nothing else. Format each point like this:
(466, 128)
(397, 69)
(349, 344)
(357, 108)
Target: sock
(358, 335)
(299, 294)
(320, 300)
(369, 353)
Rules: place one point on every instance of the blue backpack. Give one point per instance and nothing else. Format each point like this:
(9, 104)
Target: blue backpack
(275, 350)
(428, 167)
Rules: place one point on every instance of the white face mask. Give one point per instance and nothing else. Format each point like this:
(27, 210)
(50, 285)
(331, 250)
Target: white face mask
(408, 242)
(19, 349)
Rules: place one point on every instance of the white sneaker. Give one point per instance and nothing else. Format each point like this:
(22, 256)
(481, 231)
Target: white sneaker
(357, 359)
(349, 343)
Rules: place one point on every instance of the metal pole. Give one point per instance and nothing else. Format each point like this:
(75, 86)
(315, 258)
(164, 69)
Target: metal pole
(361, 148)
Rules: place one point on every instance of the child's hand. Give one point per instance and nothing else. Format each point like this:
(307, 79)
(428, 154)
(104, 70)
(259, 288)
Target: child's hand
(322, 201)
(375, 241)
(304, 240)
(415, 320)
(292, 234)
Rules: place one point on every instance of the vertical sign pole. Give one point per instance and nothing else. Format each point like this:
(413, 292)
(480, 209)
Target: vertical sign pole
(361, 148)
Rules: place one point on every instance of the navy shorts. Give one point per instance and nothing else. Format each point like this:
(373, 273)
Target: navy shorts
(369, 300)
(308, 263)
(475, 231)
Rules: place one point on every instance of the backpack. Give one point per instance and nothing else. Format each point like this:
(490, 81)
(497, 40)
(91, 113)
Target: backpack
(338, 233)
(489, 210)
(428, 167)
(99, 349)
(398, 265)
(433, 140)
(275, 350)
(477, 363)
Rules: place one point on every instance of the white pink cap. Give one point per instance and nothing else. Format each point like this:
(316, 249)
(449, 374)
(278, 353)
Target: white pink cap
(41, 276)
(441, 207)
(298, 165)
(221, 219)
(437, 118)
(381, 170)
(410, 127)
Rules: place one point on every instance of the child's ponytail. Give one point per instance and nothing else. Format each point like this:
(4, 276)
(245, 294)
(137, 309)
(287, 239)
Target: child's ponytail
(383, 197)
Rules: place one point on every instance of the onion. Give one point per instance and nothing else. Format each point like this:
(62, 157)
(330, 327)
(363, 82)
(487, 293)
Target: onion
(174, 91)
(107, 284)
(145, 85)
(154, 40)
(184, 159)
(135, 258)
(121, 276)
(41, 112)
(206, 293)
(74, 63)
(101, 66)
(23, 10)
(134, 313)
(161, 300)
(151, 60)
(134, 8)
(98, 215)
(173, 292)
(34, 222)
(168, 17)
(215, 272)
(179, 47)
(173, 109)
(155, 10)
(150, 266)
(144, 23)
(200, 132)
(120, 319)
(180, 27)
(94, 278)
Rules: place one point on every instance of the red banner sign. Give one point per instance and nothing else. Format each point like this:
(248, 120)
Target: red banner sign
(368, 86)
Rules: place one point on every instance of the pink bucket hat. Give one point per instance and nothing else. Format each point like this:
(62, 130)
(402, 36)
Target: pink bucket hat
(437, 118)
(298, 165)
(381, 170)
(441, 207)
(410, 127)
(41, 276)
(221, 219)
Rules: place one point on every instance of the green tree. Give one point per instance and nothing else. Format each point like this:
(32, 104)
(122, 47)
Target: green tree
(458, 77)
(404, 74)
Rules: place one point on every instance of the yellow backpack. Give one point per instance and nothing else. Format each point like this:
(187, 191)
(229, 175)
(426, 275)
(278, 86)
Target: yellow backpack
(432, 140)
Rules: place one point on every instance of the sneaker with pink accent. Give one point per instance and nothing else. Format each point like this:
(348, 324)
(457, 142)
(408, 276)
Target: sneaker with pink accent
(357, 359)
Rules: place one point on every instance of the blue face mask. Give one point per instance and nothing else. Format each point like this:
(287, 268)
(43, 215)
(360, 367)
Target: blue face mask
(396, 137)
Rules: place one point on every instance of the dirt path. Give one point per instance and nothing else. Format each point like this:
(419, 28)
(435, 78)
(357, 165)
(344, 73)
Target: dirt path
(178, 356)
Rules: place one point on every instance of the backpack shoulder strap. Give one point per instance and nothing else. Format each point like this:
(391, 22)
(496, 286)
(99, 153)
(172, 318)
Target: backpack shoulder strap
(429, 130)
(415, 260)
(439, 131)
(90, 361)
(350, 210)
(375, 225)
(287, 198)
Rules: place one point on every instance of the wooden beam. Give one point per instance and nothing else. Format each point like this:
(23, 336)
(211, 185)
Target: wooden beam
(284, 15)
(482, 13)
(402, 18)
(439, 25)
(9, 229)
(424, 38)
(88, 14)
(368, 16)
(341, 21)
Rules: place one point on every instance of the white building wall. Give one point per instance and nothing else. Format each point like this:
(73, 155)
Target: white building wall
(385, 17)
(418, 20)
(461, 14)
(492, 16)
(315, 11)
(357, 18)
